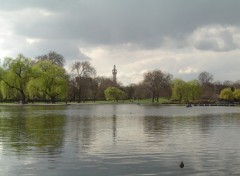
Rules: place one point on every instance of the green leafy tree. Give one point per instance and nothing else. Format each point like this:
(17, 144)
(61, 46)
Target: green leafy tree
(21, 134)
(7, 93)
(113, 93)
(236, 94)
(177, 89)
(49, 80)
(194, 90)
(186, 91)
(15, 75)
(226, 94)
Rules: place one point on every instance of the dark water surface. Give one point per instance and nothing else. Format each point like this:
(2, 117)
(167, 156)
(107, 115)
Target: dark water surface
(114, 140)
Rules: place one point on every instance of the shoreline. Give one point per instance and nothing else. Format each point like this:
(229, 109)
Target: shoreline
(115, 103)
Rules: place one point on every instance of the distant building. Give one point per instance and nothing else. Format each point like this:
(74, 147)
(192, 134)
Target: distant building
(114, 72)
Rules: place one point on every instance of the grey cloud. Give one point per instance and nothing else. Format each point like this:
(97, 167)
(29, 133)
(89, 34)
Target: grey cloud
(216, 38)
(12, 5)
(145, 25)
(69, 49)
(207, 45)
(137, 21)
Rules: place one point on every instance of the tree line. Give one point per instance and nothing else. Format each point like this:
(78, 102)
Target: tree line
(45, 79)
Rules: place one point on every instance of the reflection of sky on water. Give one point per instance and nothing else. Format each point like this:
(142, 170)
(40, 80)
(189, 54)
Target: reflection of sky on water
(126, 140)
(142, 111)
(142, 139)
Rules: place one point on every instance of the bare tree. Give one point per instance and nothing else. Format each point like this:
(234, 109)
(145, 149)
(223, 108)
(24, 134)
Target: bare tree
(130, 91)
(99, 85)
(83, 69)
(205, 80)
(55, 58)
(229, 84)
(81, 72)
(141, 91)
(237, 84)
(156, 81)
(218, 86)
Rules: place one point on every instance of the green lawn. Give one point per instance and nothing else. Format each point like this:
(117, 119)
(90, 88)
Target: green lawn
(149, 100)
(140, 101)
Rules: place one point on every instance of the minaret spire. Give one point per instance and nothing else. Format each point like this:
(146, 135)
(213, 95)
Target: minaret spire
(114, 72)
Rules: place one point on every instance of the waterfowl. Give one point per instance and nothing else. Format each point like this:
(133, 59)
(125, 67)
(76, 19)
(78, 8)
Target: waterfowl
(181, 165)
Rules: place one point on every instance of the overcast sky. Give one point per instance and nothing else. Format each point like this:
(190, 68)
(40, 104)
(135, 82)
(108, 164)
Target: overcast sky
(181, 37)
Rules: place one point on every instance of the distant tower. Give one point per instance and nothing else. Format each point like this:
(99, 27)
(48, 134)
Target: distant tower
(114, 72)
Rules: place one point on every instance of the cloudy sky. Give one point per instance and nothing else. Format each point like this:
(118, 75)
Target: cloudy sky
(181, 37)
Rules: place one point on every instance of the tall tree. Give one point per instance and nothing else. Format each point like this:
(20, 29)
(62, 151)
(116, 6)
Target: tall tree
(141, 91)
(49, 80)
(16, 73)
(81, 71)
(156, 81)
(194, 90)
(187, 91)
(53, 57)
(177, 89)
(130, 91)
(205, 80)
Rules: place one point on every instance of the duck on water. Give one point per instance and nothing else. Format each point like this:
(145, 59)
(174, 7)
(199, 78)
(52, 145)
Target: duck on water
(181, 165)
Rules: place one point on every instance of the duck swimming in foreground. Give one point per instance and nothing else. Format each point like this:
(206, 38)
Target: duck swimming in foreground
(181, 165)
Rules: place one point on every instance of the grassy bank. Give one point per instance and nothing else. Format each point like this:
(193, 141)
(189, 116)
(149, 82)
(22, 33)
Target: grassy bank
(139, 101)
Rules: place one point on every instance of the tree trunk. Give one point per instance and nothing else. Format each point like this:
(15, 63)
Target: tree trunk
(23, 97)
(79, 96)
(53, 99)
(153, 96)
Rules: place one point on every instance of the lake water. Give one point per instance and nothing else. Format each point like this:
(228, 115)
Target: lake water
(119, 140)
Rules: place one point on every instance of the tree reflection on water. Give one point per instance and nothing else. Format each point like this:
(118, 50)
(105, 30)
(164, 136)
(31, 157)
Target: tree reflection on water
(23, 132)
